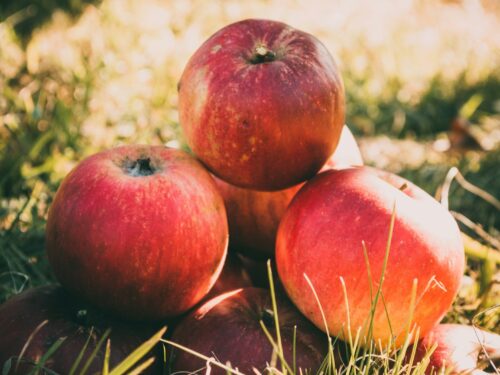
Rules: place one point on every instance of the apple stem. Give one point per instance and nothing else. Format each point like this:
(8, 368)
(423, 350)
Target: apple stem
(82, 317)
(268, 317)
(262, 54)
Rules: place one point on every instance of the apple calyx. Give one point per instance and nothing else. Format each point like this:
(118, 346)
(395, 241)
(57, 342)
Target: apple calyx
(140, 168)
(262, 55)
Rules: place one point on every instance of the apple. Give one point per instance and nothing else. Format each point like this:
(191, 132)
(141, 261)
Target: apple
(322, 234)
(24, 332)
(254, 215)
(459, 349)
(233, 276)
(228, 329)
(140, 231)
(261, 104)
(257, 270)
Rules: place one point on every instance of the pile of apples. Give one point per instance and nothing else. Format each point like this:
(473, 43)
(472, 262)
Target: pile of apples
(141, 233)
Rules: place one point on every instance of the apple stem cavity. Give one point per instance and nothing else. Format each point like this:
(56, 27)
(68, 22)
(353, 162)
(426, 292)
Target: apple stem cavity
(140, 168)
(262, 55)
(268, 317)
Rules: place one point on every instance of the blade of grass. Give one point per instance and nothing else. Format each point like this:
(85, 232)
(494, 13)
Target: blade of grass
(382, 276)
(143, 366)
(107, 354)
(201, 356)
(294, 343)
(474, 325)
(413, 351)
(275, 347)
(53, 348)
(82, 352)
(408, 330)
(275, 311)
(386, 312)
(94, 352)
(139, 353)
(423, 364)
(478, 251)
(331, 357)
(28, 342)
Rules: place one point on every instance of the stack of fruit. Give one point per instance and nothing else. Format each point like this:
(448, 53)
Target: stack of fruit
(141, 232)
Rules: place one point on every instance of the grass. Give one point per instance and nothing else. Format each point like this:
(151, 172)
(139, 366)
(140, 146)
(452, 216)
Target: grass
(80, 76)
(362, 354)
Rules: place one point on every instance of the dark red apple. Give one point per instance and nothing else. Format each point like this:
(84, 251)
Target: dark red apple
(460, 350)
(257, 270)
(254, 216)
(227, 328)
(140, 231)
(322, 233)
(233, 276)
(66, 317)
(262, 104)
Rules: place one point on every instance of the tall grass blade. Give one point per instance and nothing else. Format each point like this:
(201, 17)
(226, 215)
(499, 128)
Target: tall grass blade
(92, 356)
(138, 354)
(107, 354)
(82, 352)
(275, 311)
(331, 357)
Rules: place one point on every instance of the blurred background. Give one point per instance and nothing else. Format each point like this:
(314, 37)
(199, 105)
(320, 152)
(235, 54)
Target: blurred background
(423, 95)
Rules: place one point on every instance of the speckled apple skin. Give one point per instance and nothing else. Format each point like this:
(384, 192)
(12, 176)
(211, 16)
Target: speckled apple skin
(254, 215)
(322, 234)
(143, 247)
(264, 126)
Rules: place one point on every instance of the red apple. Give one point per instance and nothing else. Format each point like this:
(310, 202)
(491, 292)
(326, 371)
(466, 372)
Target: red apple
(64, 317)
(460, 349)
(254, 215)
(228, 329)
(262, 104)
(322, 233)
(138, 230)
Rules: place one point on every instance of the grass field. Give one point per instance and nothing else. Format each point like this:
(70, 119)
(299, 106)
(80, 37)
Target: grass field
(78, 77)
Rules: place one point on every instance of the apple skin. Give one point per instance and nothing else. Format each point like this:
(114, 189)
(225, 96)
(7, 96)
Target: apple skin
(261, 104)
(233, 276)
(254, 215)
(22, 314)
(145, 247)
(459, 349)
(227, 328)
(321, 235)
